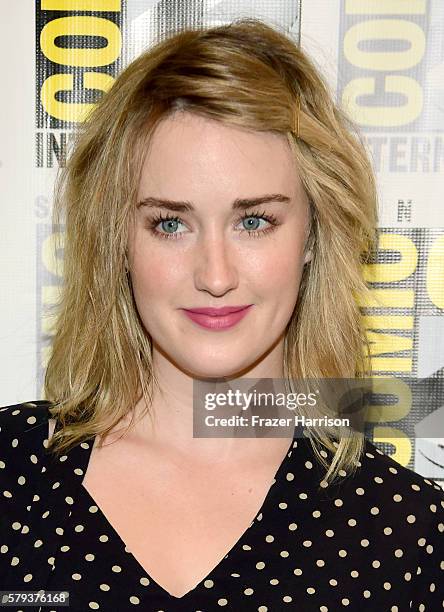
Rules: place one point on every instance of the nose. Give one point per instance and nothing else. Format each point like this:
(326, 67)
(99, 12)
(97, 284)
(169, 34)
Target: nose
(215, 269)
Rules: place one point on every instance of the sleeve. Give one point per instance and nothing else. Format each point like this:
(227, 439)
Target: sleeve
(428, 584)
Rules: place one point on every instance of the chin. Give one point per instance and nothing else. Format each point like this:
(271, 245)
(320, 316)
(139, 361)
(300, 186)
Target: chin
(214, 368)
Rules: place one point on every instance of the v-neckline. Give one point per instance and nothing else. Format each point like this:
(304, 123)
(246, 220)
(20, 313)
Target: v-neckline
(89, 498)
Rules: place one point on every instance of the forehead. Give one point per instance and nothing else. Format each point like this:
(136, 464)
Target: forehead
(193, 153)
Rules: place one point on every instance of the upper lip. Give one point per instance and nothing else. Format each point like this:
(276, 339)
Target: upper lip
(224, 310)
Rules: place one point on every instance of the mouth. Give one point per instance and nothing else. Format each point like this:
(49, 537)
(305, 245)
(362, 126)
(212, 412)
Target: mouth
(217, 318)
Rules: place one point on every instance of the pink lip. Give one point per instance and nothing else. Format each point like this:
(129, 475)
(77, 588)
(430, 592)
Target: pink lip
(217, 318)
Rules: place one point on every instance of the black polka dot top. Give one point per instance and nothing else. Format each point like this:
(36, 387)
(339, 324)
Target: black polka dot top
(372, 542)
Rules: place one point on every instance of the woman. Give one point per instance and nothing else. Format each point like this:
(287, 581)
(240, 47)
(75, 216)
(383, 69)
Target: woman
(218, 209)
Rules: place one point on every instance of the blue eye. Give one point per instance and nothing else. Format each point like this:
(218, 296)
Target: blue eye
(170, 225)
(251, 223)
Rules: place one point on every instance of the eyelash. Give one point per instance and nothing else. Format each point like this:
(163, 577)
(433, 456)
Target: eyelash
(152, 223)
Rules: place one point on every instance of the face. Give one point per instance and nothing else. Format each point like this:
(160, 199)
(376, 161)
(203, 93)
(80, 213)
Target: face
(222, 221)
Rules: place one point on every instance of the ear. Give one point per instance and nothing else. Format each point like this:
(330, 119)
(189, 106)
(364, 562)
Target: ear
(308, 256)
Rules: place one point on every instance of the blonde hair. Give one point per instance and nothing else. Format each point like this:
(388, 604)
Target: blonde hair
(245, 74)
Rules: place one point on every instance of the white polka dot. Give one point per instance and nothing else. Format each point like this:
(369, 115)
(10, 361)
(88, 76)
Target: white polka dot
(104, 587)
(144, 581)
(91, 557)
(27, 578)
(94, 605)
(260, 565)
(76, 576)
(134, 600)
(103, 538)
(116, 568)
(248, 591)
(208, 584)
(222, 601)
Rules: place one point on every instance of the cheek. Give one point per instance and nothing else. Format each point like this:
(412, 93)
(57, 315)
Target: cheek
(278, 267)
(153, 274)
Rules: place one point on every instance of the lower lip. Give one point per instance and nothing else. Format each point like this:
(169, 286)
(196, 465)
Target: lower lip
(217, 322)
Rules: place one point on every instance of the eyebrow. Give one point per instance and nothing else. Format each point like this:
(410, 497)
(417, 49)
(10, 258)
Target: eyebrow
(186, 205)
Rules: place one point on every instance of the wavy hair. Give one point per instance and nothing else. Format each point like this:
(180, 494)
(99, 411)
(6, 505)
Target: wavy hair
(244, 74)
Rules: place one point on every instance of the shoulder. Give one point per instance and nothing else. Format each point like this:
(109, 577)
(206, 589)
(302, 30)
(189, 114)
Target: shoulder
(383, 489)
(378, 468)
(23, 435)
